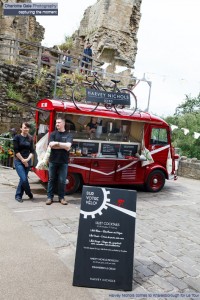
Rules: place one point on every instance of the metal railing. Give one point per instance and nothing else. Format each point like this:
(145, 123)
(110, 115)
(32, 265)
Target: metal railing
(21, 52)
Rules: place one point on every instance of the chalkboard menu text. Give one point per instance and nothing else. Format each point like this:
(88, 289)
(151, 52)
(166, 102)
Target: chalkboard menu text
(105, 244)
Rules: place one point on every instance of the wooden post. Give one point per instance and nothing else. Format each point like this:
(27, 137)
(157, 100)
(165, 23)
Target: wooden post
(15, 50)
(39, 58)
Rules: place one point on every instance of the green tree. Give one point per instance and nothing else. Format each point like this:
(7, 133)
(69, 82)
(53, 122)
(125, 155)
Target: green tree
(190, 105)
(187, 116)
(67, 45)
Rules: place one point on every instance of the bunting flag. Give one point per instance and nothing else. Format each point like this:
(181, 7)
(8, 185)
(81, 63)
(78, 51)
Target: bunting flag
(119, 69)
(169, 162)
(105, 65)
(174, 127)
(196, 135)
(185, 130)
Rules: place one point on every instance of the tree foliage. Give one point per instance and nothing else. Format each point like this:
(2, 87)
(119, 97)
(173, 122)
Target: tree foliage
(67, 45)
(187, 116)
(190, 105)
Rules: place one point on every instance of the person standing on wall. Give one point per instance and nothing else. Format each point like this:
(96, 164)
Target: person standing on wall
(60, 142)
(24, 150)
(67, 62)
(45, 59)
(86, 60)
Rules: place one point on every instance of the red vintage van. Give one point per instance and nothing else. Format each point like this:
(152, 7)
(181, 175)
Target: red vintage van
(124, 150)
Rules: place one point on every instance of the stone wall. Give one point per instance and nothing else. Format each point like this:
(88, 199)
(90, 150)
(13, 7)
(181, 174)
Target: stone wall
(25, 28)
(20, 83)
(189, 168)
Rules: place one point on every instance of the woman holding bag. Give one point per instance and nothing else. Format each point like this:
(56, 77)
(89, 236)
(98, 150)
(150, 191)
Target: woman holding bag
(24, 150)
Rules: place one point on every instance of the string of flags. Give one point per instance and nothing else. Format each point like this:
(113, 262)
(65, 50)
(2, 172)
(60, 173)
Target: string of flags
(196, 135)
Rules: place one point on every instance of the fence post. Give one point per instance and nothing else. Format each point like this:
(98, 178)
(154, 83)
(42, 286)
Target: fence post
(39, 58)
(15, 50)
(58, 65)
(92, 64)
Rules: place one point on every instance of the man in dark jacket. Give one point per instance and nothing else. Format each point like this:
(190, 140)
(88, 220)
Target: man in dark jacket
(86, 60)
(60, 142)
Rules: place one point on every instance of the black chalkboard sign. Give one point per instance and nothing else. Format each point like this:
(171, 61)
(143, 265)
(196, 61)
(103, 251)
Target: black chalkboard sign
(109, 149)
(128, 149)
(105, 244)
(92, 147)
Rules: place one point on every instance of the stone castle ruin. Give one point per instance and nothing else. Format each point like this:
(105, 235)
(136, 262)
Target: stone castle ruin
(20, 27)
(110, 25)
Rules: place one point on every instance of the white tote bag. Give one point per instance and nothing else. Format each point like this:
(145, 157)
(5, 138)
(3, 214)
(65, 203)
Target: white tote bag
(41, 147)
(44, 162)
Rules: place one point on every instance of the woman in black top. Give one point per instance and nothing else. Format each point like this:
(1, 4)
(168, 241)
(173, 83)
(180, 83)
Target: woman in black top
(92, 125)
(23, 148)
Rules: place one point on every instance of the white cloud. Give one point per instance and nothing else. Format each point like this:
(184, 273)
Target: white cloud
(67, 21)
(168, 51)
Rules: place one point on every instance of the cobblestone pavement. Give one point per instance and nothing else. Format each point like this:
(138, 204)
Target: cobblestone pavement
(167, 245)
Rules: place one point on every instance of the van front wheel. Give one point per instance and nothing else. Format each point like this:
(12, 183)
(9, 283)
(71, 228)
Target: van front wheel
(155, 181)
(73, 183)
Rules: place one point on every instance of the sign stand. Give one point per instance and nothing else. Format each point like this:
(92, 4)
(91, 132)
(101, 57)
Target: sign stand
(105, 244)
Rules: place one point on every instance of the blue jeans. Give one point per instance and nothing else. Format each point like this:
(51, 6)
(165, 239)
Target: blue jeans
(57, 176)
(23, 185)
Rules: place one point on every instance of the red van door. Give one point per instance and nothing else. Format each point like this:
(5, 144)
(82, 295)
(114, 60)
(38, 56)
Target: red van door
(128, 171)
(102, 171)
(159, 144)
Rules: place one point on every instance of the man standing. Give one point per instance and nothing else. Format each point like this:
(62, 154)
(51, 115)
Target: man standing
(60, 142)
(86, 61)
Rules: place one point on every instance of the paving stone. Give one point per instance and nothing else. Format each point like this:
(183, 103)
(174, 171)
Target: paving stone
(137, 262)
(53, 239)
(141, 251)
(177, 282)
(186, 268)
(137, 290)
(160, 261)
(144, 261)
(63, 229)
(158, 243)
(56, 222)
(144, 270)
(145, 236)
(166, 256)
(151, 247)
(38, 223)
(151, 287)
(176, 271)
(138, 280)
(162, 283)
(155, 267)
(194, 283)
(34, 214)
(171, 250)
(70, 238)
(67, 255)
(187, 260)
(194, 253)
(195, 239)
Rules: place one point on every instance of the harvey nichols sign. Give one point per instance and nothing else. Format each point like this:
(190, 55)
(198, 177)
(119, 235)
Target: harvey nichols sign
(107, 97)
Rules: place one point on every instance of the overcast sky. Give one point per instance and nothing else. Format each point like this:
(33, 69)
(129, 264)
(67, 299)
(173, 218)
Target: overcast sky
(168, 47)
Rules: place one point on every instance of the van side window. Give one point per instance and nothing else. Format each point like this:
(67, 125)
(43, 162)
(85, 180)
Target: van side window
(159, 136)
